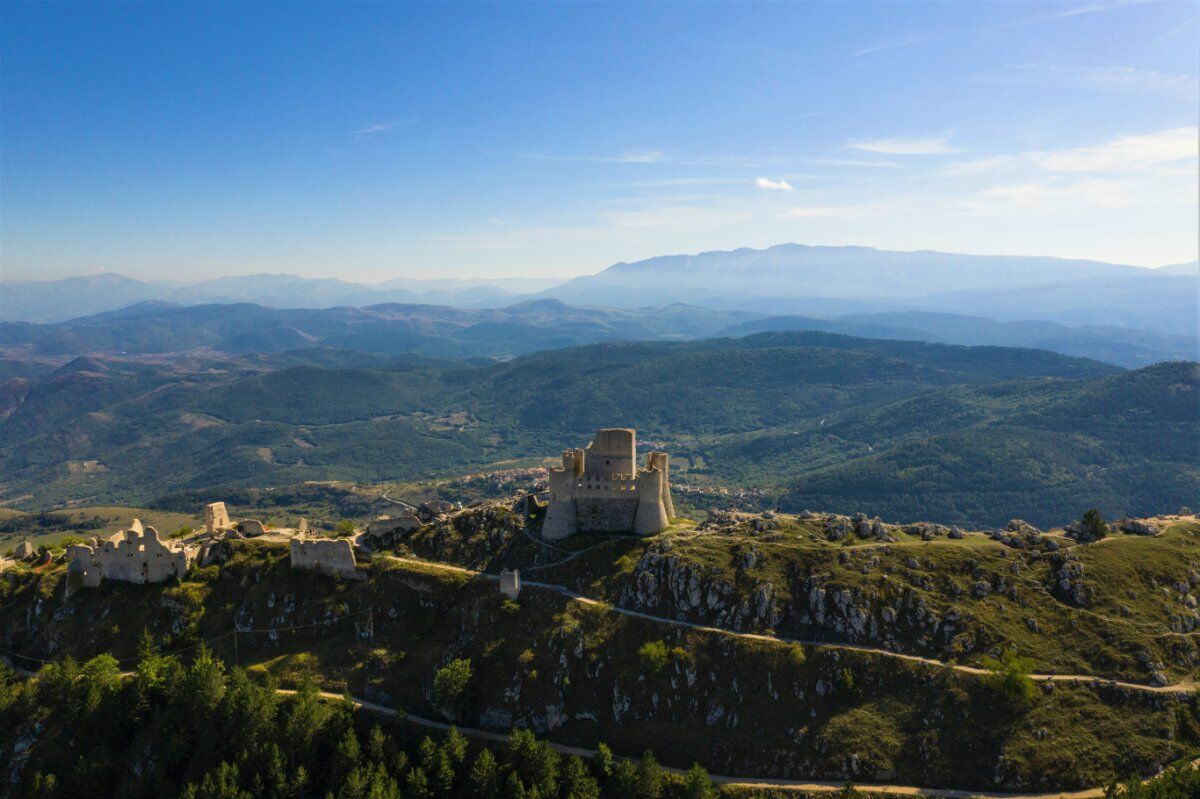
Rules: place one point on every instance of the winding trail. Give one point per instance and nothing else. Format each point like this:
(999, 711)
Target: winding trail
(809, 786)
(806, 786)
(1081, 679)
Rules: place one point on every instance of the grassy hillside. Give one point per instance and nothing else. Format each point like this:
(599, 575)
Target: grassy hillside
(573, 672)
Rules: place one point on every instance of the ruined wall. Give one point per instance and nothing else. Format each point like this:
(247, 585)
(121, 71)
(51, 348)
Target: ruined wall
(510, 583)
(326, 555)
(132, 556)
(390, 524)
(216, 517)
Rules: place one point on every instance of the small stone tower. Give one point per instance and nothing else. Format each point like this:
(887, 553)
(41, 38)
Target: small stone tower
(599, 489)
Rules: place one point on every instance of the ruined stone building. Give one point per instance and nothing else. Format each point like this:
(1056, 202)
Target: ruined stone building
(135, 555)
(333, 556)
(600, 489)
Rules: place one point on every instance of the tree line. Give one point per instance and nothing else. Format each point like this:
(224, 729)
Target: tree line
(200, 730)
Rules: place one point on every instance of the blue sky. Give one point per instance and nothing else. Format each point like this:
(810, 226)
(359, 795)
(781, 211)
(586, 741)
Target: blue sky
(372, 141)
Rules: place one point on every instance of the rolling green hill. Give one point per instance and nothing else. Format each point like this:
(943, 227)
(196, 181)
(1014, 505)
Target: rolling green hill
(901, 429)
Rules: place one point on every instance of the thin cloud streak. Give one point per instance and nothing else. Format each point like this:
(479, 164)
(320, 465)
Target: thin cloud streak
(905, 145)
(941, 37)
(1108, 78)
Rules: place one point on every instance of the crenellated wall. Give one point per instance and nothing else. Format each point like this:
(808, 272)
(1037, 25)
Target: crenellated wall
(599, 489)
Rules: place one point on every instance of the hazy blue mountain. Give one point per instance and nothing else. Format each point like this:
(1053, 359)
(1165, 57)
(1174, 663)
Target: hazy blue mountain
(826, 281)
(440, 331)
(833, 272)
(1190, 269)
(156, 328)
(60, 300)
(1123, 346)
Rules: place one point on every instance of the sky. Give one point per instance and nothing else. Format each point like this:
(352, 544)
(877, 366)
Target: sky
(370, 141)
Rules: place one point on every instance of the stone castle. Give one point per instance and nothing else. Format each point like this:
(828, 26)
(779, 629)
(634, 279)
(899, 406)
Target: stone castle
(599, 489)
(135, 555)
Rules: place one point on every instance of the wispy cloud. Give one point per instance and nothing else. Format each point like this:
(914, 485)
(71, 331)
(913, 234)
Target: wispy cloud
(933, 37)
(626, 157)
(383, 127)
(905, 145)
(773, 185)
(1104, 78)
(681, 182)
(1141, 170)
(859, 162)
(1165, 150)
(826, 211)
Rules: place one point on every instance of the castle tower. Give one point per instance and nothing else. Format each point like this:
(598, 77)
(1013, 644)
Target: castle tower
(613, 451)
(560, 515)
(662, 462)
(599, 489)
(651, 514)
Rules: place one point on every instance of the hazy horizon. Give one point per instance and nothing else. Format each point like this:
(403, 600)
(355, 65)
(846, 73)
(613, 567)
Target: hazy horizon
(371, 142)
(498, 279)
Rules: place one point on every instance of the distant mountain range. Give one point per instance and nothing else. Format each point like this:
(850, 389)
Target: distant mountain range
(826, 281)
(443, 332)
(787, 279)
(69, 298)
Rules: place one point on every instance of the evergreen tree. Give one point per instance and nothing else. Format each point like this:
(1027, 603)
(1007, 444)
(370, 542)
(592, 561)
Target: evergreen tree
(697, 785)
(650, 777)
(604, 760)
(484, 780)
(417, 785)
(577, 782)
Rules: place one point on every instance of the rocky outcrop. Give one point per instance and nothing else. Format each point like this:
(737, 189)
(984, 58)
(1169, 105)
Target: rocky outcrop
(1138, 527)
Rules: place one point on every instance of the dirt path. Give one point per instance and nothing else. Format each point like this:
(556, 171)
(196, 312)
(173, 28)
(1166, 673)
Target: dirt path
(1083, 679)
(829, 786)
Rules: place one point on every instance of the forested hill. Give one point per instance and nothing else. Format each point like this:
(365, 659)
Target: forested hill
(901, 429)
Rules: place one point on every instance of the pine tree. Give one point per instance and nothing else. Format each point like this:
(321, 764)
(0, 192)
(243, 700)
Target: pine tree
(484, 780)
(577, 782)
(697, 785)
(417, 785)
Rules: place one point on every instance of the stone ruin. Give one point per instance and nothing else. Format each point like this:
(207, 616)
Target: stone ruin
(333, 556)
(24, 550)
(385, 525)
(510, 583)
(216, 518)
(599, 489)
(135, 555)
(251, 528)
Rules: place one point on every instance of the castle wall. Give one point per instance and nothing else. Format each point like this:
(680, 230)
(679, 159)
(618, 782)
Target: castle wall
(132, 556)
(600, 489)
(604, 514)
(333, 556)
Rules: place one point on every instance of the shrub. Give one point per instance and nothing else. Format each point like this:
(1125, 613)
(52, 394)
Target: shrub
(1093, 524)
(1009, 678)
(450, 683)
(654, 656)
(343, 529)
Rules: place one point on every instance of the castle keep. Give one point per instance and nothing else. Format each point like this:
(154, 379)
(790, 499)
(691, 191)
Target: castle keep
(599, 489)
